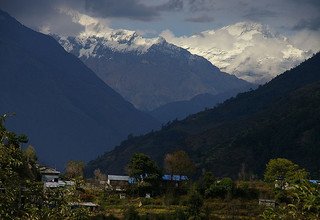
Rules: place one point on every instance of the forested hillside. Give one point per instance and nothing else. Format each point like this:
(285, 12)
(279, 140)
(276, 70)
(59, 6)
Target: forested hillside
(279, 119)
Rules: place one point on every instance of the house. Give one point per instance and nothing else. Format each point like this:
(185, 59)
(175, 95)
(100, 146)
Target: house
(118, 183)
(174, 178)
(49, 174)
(51, 179)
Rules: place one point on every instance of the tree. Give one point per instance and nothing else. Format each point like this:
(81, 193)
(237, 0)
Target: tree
(206, 180)
(194, 203)
(16, 174)
(30, 154)
(304, 203)
(99, 176)
(284, 170)
(141, 167)
(74, 169)
(179, 163)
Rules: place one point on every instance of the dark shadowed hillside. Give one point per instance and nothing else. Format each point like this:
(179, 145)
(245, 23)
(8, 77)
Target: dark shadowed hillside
(279, 119)
(64, 108)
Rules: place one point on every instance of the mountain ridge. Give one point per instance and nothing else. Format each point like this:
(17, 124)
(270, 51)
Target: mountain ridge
(59, 102)
(251, 51)
(152, 77)
(246, 129)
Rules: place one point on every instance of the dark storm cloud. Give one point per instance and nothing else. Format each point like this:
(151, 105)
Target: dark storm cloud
(122, 9)
(201, 5)
(39, 14)
(133, 9)
(286, 14)
(258, 14)
(200, 19)
(172, 5)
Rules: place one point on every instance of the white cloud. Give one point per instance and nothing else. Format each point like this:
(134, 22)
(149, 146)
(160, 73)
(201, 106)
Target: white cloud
(248, 50)
(92, 26)
(307, 40)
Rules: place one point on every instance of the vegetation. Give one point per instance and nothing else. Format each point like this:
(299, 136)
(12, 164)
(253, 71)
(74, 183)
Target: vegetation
(223, 143)
(284, 170)
(179, 163)
(279, 119)
(23, 196)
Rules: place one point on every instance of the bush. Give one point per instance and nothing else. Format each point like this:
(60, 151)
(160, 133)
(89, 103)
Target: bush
(221, 188)
(244, 191)
(131, 214)
(195, 203)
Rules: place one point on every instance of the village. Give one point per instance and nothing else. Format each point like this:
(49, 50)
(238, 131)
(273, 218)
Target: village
(143, 195)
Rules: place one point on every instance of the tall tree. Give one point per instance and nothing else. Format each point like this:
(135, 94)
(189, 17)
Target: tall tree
(16, 173)
(283, 169)
(179, 163)
(141, 167)
(74, 169)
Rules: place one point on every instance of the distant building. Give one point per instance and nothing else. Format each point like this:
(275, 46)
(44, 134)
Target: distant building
(51, 179)
(49, 174)
(118, 183)
(315, 182)
(175, 178)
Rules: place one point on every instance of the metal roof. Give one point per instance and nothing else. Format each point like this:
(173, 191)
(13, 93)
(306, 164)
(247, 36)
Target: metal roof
(118, 178)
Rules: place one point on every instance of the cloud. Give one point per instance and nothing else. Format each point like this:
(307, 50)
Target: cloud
(307, 40)
(201, 5)
(171, 5)
(258, 14)
(182, 16)
(249, 50)
(200, 19)
(311, 24)
(132, 9)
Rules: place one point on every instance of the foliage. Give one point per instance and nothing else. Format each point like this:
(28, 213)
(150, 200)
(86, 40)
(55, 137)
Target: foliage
(74, 169)
(279, 119)
(195, 203)
(304, 204)
(179, 163)
(144, 170)
(16, 174)
(221, 188)
(205, 181)
(130, 213)
(99, 176)
(284, 170)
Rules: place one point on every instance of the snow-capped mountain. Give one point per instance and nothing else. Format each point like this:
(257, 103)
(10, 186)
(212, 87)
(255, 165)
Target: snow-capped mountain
(64, 108)
(251, 51)
(118, 40)
(149, 72)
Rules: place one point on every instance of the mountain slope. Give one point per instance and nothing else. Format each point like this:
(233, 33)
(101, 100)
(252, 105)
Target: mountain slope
(181, 109)
(250, 51)
(64, 108)
(149, 72)
(279, 119)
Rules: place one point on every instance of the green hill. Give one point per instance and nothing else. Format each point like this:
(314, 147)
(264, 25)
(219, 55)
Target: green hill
(279, 119)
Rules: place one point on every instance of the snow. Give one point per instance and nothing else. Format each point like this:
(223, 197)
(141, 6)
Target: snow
(249, 50)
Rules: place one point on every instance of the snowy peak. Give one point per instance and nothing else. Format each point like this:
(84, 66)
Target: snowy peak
(118, 41)
(246, 30)
(251, 51)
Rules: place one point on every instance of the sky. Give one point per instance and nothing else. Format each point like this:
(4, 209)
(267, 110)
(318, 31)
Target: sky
(151, 17)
